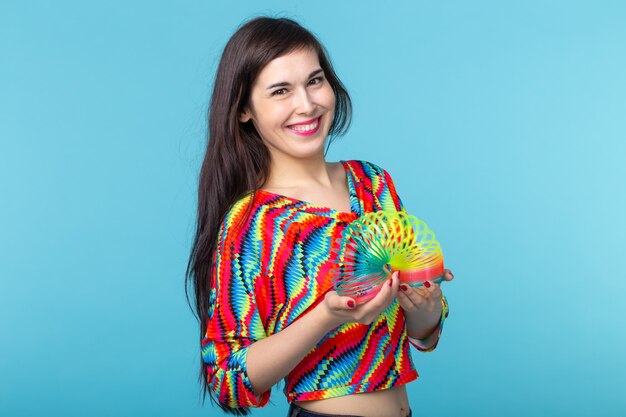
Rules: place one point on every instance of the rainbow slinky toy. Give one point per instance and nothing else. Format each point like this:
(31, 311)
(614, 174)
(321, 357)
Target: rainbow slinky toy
(377, 244)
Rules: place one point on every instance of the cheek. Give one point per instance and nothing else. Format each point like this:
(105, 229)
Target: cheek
(278, 113)
(270, 117)
(330, 98)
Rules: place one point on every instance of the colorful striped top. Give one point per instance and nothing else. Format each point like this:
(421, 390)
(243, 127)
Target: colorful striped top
(270, 268)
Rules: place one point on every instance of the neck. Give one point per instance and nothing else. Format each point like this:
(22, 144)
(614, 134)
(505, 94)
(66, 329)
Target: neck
(288, 172)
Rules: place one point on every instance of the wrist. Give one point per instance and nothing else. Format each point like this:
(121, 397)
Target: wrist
(422, 333)
(422, 323)
(325, 318)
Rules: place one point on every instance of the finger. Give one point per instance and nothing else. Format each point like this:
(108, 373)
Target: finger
(437, 285)
(395, 285)
(339, 302)
(404, 300)
(417, 295)
(386, 293)
(448, 275)
(427, 293)
(430, 292)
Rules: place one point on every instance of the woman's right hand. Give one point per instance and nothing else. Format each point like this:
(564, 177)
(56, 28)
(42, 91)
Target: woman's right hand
(341, 309)
(271, 358)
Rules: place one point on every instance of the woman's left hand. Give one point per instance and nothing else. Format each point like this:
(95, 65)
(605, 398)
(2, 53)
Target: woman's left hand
(424, 298)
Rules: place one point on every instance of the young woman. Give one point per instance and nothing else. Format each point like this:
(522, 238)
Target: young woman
(270, 211)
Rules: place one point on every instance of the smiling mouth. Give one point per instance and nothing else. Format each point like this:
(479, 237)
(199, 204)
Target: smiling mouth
(306, 128)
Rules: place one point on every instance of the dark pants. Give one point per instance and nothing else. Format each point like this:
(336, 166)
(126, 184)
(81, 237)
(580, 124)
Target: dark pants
(295, 411)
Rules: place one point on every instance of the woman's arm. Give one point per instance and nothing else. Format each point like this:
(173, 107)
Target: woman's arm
(425, 309)
(270, 359)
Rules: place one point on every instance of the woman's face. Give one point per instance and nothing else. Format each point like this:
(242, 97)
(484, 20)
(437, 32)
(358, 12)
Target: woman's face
(292, 105)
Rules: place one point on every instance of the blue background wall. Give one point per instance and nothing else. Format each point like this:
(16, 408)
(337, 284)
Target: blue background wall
(502, 123)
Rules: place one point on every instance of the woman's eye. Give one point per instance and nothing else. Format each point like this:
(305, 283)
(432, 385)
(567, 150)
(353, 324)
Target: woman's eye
(316, 80)
(279, 92)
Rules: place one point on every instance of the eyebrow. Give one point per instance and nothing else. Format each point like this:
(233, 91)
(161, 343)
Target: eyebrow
(285, 83)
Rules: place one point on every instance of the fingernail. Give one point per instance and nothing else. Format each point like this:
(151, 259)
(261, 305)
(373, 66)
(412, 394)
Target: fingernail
(451, 275)
(404, 287)
(350, 303)
(391, 282)
(426, 284)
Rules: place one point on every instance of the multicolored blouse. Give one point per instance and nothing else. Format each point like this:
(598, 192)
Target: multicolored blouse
(270, 268)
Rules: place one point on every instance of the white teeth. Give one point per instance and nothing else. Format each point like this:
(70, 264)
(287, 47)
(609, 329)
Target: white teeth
(304, 128)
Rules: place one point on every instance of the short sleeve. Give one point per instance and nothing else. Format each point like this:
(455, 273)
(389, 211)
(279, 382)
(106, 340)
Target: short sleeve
(233, 322)
(393, 200)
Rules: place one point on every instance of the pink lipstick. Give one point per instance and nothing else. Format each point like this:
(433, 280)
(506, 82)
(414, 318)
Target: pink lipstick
(306, 128)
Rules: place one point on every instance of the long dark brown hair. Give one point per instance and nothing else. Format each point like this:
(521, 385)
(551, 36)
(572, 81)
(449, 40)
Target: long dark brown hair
(237, 162)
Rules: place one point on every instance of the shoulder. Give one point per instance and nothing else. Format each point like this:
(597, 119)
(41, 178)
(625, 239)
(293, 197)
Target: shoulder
(365, 167)
(239, 218)
(237, 212)
(252, 214)
(369, 171)
(377, 182)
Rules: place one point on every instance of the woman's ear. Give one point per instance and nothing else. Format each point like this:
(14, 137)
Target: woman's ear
(245, 116)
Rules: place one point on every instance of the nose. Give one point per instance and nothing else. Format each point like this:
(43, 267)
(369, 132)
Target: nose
(304, 103)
